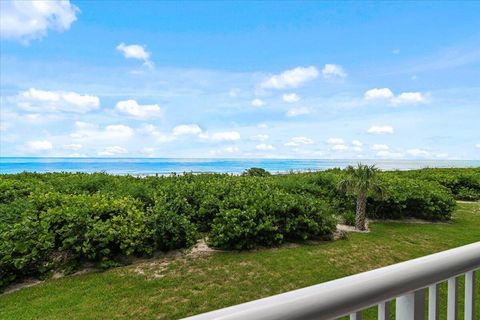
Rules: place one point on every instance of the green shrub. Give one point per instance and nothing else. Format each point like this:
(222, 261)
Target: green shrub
(412, 198)
(349, 218)
(60, 220)
(256, 172)
(169, 229)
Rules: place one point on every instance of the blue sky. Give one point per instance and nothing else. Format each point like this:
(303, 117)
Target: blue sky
(395, 80)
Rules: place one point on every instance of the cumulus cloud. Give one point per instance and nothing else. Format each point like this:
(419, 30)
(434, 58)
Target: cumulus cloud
(292, 78)
(264, 147)
(39, 145)
(297, 141)
(335, 141)
(257, 102)
(135, 51)
(333, 71)
(385, 94)
(187, 129)
(112, 151)
(133, 109)
(88, 131)
(30, 20)
(477, 146)
(378, 93)
(380, 147)
(290, 97)
(35, 100)
(409, 98)
(380, 130)
(294, 112)
(339, 147)
(418, 152)
(260, 137)
(357, 143)
(232, 149)
(151, 130)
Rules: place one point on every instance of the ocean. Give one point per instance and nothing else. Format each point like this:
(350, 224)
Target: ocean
(151, 166)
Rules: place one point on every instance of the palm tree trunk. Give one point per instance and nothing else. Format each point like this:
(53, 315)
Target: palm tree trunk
(361, 208)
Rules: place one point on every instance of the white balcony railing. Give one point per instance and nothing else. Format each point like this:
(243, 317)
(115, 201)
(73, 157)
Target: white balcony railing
(407, 282)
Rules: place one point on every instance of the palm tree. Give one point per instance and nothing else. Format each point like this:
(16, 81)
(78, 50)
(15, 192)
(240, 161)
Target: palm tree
(361, 180)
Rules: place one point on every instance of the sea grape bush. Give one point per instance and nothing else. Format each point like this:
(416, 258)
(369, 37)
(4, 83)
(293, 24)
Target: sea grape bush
(57, 221)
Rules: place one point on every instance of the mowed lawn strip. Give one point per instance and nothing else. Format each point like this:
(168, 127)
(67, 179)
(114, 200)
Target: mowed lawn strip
(188, 286)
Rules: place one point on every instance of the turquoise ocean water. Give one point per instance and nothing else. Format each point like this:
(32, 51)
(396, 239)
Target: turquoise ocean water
(150, 166)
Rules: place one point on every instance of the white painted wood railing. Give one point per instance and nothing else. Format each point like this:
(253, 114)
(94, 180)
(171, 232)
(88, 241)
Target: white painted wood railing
(407, 282)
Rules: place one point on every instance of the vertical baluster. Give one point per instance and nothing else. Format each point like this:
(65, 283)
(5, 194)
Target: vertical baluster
(433, 302)
(356, 316)
(411, 306)
(470, 295)
(452, 304)
(384, 311)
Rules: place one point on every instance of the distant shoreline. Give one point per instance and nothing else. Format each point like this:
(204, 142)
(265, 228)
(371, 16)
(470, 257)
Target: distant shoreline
(167, 166)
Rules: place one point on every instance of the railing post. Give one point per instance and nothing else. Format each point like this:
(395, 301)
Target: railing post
(411, 306)
(433, 302)
(452, 303)
(356, 315)
(384, 311)
(470, 295)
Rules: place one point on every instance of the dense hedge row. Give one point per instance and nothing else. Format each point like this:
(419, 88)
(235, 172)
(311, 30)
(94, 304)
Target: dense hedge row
(58, 221)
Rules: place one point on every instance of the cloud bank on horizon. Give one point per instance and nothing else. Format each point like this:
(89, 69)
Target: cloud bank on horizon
(84, 79)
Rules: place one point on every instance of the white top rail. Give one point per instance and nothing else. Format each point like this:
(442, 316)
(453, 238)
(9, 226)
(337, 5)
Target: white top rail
(339, 297)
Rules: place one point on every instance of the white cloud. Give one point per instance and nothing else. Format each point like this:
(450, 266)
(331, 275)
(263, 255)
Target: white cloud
(232, 149)
(225, 136)
(260, 137)
(441, 155)
(292, 78)
(357, 143)
(119, 130)
(187, 129)
(378, 93)
(40, 145)
(151, 130)
(396, 51)
(388, 154)
(333, 71)
(135, 51)
(112, 151)
(296, 141)
(477, 146)
(380, 130)
(53, 101)
(339, 147)
(335, 141)
(409, 98)
(418, 152)
(88, 131)
(29, 20)
(147, 150)
(380, 147)
(290, 97)
(262, 126)
(387, 94)
(73, 146)
(264, 147)
(132, 108)
(294, 112)
(258, 102)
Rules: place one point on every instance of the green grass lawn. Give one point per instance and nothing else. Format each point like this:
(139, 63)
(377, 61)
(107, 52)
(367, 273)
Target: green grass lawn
(189, 285)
